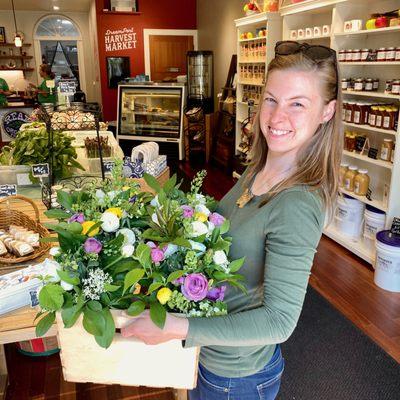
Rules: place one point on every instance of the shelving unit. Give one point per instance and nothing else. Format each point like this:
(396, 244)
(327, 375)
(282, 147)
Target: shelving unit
(385, 176)
(21, 57)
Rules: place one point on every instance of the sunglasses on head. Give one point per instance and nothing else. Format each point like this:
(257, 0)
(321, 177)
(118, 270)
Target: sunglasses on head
(313, 52)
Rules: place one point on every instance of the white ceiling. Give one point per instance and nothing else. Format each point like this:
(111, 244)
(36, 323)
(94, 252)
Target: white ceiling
(47, 5)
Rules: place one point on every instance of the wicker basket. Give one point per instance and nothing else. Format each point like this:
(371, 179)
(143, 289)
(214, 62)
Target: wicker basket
(9, 216)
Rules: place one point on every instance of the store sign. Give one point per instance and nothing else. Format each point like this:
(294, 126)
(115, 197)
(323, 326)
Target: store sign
(12, 121)
(108, 166)
(395, 228)
(122, 39)
(40, 170)
(8, 190)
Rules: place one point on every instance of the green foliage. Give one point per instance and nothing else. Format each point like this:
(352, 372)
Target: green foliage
(51, 297)
(45, 323)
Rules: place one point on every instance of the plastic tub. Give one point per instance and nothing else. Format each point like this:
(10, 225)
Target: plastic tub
(387, 263)
(374, 222)
(349, 217)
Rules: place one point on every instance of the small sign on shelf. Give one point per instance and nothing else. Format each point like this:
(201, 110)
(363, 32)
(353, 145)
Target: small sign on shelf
(40, 170)
(373, 153)
(395, 228)
(108, 166)
(8, 190)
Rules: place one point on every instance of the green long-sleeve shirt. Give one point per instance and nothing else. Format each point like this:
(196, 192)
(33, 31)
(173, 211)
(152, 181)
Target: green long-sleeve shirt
(279, 241)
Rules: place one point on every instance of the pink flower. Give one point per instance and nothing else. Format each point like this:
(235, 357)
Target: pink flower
(79, 217)
(216, 293)
(179, 281)
(195, 287)
(216, 219)
(187, 211)
(92, 246)
(157, 255)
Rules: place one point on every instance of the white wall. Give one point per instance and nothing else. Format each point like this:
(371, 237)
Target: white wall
(26, 22)
(217, 32)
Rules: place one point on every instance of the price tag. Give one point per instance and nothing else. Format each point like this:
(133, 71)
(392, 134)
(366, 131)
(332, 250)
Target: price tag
(8, 190)
(369, 194)
(395, 228)
(40, 170)
(373, 153)
(108, 166)
(360, 141)
(67, 86)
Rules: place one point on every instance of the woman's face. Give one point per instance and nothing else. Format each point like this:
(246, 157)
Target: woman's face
(292, 110)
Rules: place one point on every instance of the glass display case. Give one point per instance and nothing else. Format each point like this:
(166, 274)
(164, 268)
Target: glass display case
(200, 80)
(151, 112)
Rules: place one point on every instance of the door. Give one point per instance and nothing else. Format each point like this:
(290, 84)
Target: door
(168, 56)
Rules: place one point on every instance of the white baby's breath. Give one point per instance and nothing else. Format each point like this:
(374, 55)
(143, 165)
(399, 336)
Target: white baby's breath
(94, 285)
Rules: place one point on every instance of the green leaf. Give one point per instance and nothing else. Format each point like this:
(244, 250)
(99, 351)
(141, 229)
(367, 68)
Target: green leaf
(70, 241)
(68, 277)
(152, 182)
(57, 214)
(94, 227)
(132, 277)
(215, 234)
(175, 275)
(143, 255)
(225, 227)
(239, 286)
(154, 286)
(94, 305)
(107, 337)
(220, 276)
(125, 265)
(48, 239)
(64, 199)
(45, 324)
(221, 244)
(158, 314)
(111, 288)
(136, 308)
(181, 241)
(93, 322)
(170, 184)
(235, 265)
(75, 227)
(51, 297)
(71, 314)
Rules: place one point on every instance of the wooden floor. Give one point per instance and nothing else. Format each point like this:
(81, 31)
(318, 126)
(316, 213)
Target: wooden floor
(342, 278)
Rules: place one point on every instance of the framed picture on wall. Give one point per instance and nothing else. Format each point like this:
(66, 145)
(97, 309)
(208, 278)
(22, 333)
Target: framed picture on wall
(2, 34)
(124, 6)
(118, 68)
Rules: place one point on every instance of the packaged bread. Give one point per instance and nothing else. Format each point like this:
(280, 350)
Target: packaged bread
(16, 228)
(17, 247)
(24, 235)
(3, 249)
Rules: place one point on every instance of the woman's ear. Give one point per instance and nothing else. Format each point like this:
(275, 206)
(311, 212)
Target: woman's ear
(329, 111)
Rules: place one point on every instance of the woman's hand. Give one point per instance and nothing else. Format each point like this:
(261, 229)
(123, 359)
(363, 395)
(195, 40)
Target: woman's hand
(143, 328)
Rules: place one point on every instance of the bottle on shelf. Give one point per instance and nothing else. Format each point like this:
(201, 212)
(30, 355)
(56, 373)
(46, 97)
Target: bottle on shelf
(349, 178)
(361, 182)
(344, 167)
(386, 149)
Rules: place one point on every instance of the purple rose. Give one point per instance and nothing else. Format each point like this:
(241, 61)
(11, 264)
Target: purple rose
(195, 287)
(79, 217)
(187, 211)
(133, 199)
(157, 255)
(216, 219)
(152, 245)
(92, 245)
(179, 281)
(216, 293)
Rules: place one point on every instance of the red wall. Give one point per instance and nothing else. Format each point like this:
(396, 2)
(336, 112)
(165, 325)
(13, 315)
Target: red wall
(154, 14)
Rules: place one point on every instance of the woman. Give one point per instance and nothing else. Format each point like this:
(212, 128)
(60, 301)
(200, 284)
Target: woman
(4, 92)
(45, 94)
(277, 212)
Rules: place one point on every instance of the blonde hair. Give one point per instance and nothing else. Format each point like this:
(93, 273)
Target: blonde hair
(319, 160)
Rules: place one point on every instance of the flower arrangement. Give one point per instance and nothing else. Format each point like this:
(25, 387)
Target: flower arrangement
(120, 248)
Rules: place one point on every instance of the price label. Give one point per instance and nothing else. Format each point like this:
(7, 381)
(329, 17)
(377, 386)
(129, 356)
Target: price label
(40, 170)
(8, 190)
(373, 153)
(395, 228)
(108, 166)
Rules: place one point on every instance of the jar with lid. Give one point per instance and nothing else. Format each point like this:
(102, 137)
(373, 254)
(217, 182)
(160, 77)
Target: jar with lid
(395, 87)
(349, 178)
(387, 118)
(345, 83)
(361, 182)
(369, 85)
(397, 54)
(388, 86)
(356, 55)
(344, 109)
(344, 167)
(364, 54)
(349, 111)
(359, 85)
(342, 56)
(379, 117)
(390, 54)
(349, 55)
(381, 54)
(375, 84)
(386, 149)
(357, 113)
(372, 116)
(350, 141)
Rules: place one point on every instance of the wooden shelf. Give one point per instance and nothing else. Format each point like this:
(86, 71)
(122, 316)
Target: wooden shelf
(13, 45)
(314, 38)
(377, 95)
(390, 29)
(371, 63)
(122, 12)
(370, 128)
(17, 69)
(374, 203)
(251, 62)
(309, 6)
(16, 57)
(380, 163)
(252, 39)
(251, 84)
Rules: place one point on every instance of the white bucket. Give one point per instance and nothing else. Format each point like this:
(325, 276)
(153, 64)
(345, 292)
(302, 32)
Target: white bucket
(374, 222)
(349, 217)
(387, 263)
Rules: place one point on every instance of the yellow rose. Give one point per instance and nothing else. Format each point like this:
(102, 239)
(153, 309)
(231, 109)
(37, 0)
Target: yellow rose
(201, 216)
(163, 295)
(136, 288)
(116, 211)
(86, 227)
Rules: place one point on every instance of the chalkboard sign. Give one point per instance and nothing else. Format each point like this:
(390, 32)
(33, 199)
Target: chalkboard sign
(395, 229)
(67, 86)
(108, 166)
(360, 141)
(369, 194)
(373, 153)
(8, 190)
(40, 170)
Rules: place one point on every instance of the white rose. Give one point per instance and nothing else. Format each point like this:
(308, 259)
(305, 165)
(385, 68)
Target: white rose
(198, 246)
(199, 228)
(110, 222)
(100, 195)
(154, 202)
(203, 209)
(55, 251)
(211, 227)
(154, 218)
(127, 250)
(112, 194)
(129, 235)
(171, 249)
(200, 199)
(66, 286)
(220, 258)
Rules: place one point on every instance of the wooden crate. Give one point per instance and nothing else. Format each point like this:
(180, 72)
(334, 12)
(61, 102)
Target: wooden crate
(127, 361)
(162, 178)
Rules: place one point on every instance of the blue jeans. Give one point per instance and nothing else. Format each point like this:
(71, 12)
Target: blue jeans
(263, 385)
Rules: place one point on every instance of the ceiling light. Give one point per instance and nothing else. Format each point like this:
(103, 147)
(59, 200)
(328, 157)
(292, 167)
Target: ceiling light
(56, 8)
(17, 38)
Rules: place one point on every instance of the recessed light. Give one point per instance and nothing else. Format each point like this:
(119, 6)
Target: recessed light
(56, 8)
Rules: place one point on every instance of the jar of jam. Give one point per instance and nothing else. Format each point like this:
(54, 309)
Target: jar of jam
(361, 182)
(344, 167)
(356, 55)
(359, 85)
(379, 117)
(344, 109)
(350, 141)
(364, 54)
(369, 85)
(345, 83)
(397, 54)
(396, 87)
(372, 116)
(381, 54)
(388, 86)
(349, 178)
(349, 55)
(386, 149)
(349, 111)
(375, 85)
(387, 116)
(342, 56)
(357, 114)
(390, 54)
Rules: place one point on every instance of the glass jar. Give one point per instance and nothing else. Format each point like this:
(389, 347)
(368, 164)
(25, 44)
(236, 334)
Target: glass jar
(350, 141)
(386, 149)
(342, 56)
(375, 85)
(359, 85)
(379, 117)
(349, 55)
(395, 87)
(364, 54)
(349, 178)
(349, 111)
(390, 54)
(388, 86)
(345, 83)
(397, 54)
(357, 114)
(344, 109)
(372, 116)
(386, 119)
(344, 167)
(361, 182)
(381, 54)
(356, 55)
(369, 85)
